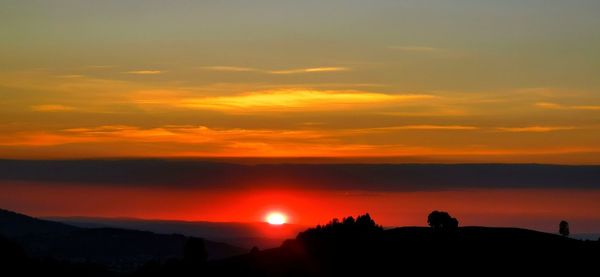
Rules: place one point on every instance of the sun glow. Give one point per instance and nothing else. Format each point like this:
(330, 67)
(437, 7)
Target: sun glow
(276, 218)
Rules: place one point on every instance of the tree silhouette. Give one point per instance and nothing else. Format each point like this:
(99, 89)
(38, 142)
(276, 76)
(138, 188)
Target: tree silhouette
(348, 227)
(442, 221)
(563, 228)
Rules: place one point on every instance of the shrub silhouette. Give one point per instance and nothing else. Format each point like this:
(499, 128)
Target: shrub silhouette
(563, 228)
(363, 225)
(442, 221)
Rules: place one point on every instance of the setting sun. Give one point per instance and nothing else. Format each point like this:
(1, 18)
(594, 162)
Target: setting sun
(276, 218)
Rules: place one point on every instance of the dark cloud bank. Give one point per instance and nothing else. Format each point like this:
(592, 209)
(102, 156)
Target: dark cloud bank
(371, 177)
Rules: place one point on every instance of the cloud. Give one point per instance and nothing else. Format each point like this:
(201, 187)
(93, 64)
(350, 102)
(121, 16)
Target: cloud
(392, 129)
(41, 139)
(178, 134)
(225, 68)
(202, 141)
(51, 108)
(309, 70)
(535, 129)
(556, 106)
(145, 72)
(252, 139)
(424, 128)
(344, 177)
(286, 100)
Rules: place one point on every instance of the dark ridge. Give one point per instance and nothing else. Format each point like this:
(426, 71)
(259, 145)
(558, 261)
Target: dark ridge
(114, 248)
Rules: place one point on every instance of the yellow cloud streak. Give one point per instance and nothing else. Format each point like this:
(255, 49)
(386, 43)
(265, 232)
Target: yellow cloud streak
(309, 70)
(145, 72)
(294, 100)
(535, 129)
(556, 106)
(324, 69)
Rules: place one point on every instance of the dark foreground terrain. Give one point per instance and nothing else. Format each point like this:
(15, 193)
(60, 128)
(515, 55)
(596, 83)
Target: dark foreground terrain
(351, 247)
(111, 248)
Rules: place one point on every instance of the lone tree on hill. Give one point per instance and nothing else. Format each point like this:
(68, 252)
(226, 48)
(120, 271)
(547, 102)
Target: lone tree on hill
(563, 228)
(442, 221)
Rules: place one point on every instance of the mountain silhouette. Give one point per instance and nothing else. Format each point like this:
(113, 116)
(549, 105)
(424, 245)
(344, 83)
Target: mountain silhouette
(117, 249)
(347, 247)
(242, 234)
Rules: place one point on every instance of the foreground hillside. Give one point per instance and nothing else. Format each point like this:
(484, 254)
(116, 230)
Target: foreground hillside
(349, 247)
(467, 250)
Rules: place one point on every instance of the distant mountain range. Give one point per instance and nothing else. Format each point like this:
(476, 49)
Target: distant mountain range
(245, 235)
(118, 249)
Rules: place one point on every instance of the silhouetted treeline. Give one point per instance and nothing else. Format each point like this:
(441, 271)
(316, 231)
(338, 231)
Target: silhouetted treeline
(363, 225)
(362, 248)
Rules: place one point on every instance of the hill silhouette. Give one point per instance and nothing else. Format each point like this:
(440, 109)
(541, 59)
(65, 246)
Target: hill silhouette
(347, 247)
(338, 250)
(14, 224)
(117, 249)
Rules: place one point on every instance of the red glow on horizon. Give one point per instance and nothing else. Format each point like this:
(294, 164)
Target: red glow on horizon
(539, 209)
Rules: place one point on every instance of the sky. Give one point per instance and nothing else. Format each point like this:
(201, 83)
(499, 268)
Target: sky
(393, 81)
(442, 81)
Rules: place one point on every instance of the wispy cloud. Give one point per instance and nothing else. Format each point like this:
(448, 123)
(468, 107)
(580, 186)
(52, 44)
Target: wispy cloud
(299, 99)
(145, 72)
(323, 69)
(430, 128)
(187, 140)
(168, 134)
(309, 70)
(392, 129)
(556, 106)
(283, 100)
(535, 129)
(51, 108)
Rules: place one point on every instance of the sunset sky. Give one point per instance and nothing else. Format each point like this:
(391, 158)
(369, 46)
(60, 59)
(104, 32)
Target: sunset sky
(508, 81)
(432, 81)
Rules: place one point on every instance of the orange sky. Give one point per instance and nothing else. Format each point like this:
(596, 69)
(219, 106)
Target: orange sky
(404, 79)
